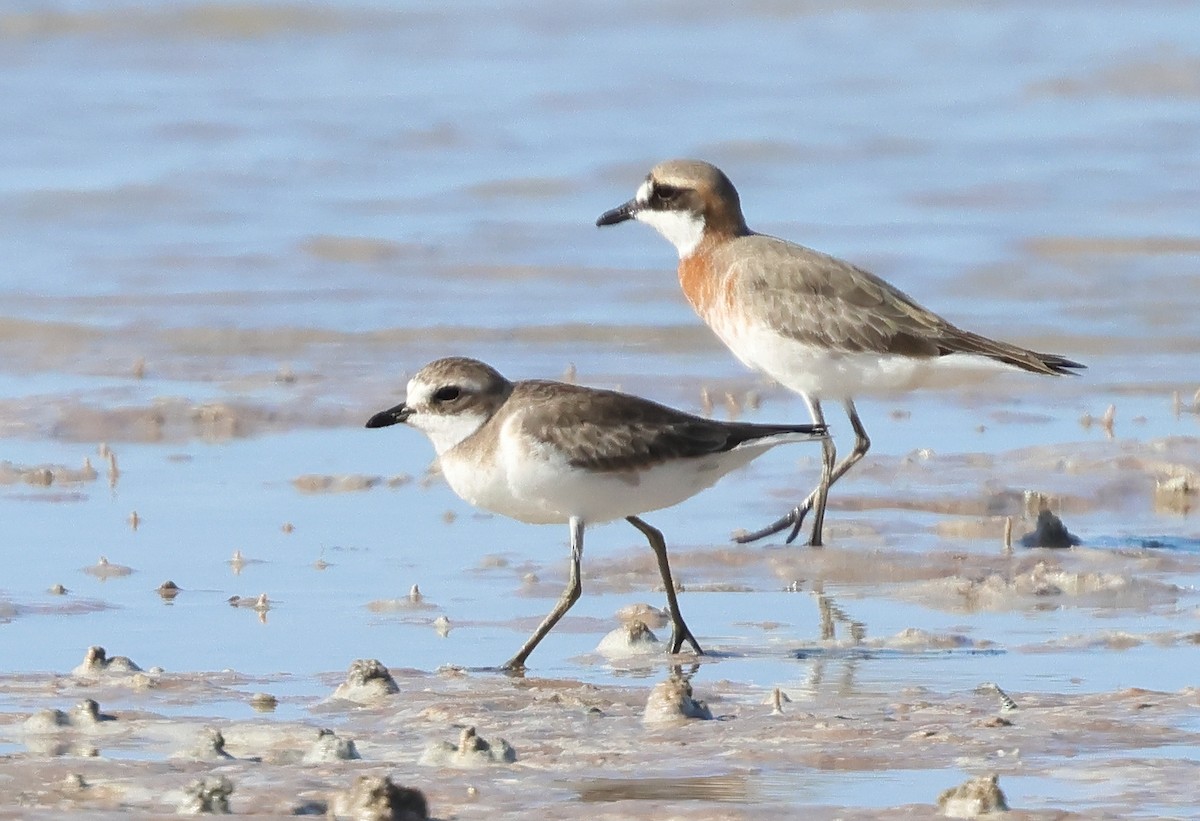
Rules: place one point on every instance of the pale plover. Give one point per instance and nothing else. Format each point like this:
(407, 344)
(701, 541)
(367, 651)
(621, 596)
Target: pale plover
(550, 453)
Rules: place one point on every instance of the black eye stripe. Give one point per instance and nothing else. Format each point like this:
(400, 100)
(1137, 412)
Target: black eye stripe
(666, 193)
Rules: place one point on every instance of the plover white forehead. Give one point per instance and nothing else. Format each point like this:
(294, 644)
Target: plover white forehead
(814, 323)
(553, 453)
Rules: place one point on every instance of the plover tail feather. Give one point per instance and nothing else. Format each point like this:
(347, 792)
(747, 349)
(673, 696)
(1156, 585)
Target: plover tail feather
(1045, 363)
(749, 434)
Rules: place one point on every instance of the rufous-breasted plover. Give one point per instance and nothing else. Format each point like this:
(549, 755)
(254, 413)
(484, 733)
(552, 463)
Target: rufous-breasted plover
(552, 453)
(814, 323)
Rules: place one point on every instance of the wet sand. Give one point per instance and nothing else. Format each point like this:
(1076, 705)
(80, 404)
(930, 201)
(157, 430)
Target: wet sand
(237, 228)
(849, 709)
(862, 679)
(583, 750)
(843, 686)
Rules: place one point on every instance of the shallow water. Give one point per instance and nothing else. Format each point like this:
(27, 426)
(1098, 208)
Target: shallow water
(231, 231)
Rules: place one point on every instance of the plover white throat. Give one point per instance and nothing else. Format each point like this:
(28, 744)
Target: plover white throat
(551, 453)
(814, 323)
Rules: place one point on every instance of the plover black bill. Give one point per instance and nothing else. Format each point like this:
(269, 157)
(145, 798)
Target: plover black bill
(817, 325)
(552, 453)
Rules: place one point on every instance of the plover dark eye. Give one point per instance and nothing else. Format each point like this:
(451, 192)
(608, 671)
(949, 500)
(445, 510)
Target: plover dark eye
(666, 193)
(447, 394)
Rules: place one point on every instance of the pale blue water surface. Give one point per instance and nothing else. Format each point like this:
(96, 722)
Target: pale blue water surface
(285, 209)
